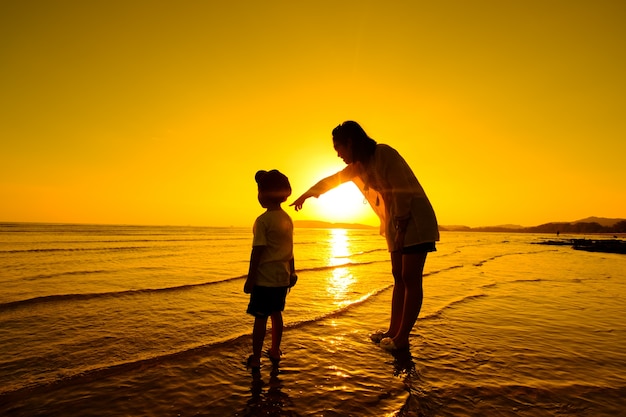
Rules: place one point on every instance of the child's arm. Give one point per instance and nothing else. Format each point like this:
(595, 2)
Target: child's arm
(255, 260)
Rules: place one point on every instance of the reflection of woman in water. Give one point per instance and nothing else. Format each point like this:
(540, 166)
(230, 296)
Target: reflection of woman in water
(407, 220)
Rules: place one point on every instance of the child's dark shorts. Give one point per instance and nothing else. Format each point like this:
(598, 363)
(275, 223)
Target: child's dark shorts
(267, 300)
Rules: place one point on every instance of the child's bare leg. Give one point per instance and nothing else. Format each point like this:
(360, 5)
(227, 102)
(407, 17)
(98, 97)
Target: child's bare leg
(277, 333)
(258, 336)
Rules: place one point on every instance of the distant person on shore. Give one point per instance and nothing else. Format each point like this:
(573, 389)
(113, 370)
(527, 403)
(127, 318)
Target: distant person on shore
(407, 219)
(271, 272)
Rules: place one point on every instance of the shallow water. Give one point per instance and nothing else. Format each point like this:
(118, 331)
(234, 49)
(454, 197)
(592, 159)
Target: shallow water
(150, 321)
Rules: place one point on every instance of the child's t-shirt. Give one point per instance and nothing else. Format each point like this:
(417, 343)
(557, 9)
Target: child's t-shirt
(274, 230)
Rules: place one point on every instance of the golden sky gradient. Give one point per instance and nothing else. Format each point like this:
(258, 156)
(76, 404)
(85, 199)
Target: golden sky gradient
(160, 112)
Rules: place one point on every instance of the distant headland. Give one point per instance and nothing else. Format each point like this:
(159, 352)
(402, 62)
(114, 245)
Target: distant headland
(316, 224)
(587, 225)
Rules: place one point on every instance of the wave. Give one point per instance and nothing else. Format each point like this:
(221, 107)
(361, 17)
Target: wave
(367, 297)
(108, 249)
(359, 253)
(524, 280)
(343, 265)
(444, 255)
(464, 299)
(29, 302)
(342, 310)
(449, 268)
(113, 248)
(471, 297)
(88, 375)
(60, 274)
(481, 263)
(113, 294)
(93, 271)
(514, 281)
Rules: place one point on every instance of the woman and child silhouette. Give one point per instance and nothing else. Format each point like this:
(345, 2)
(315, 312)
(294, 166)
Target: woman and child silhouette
(407, 220)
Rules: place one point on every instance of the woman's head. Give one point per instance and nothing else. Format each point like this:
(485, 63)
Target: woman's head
(352, 143)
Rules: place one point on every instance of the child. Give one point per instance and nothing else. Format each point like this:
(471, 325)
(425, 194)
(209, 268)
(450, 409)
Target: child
(271, 271)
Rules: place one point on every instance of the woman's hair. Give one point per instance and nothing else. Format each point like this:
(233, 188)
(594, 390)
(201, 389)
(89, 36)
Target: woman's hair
(363, 146)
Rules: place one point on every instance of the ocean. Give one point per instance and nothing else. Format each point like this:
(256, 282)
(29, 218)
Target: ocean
(150, 321)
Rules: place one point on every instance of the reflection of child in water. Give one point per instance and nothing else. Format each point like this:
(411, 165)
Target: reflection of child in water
(271, 270)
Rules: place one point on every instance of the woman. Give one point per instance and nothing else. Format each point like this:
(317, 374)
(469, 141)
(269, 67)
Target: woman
(407, 220)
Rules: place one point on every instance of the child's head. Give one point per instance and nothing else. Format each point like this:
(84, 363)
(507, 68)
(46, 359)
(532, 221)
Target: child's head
(274, 187)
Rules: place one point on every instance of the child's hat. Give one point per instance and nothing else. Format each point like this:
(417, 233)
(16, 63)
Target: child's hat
(273, 181)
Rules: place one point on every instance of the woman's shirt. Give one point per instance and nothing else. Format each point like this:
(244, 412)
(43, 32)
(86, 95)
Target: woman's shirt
(393, 191)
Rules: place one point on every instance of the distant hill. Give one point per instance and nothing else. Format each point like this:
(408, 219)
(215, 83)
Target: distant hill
(510, 226)
(600, 220)
(454, 228)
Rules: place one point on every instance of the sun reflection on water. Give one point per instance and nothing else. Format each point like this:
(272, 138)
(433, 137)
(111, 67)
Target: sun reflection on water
(341, 279)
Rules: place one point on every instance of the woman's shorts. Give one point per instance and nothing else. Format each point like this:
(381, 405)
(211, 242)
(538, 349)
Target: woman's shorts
(421, 248)
(266, 300)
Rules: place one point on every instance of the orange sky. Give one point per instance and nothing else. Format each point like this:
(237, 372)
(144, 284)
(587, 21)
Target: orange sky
(160, 112)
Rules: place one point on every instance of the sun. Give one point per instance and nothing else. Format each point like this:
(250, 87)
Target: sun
(345, 204)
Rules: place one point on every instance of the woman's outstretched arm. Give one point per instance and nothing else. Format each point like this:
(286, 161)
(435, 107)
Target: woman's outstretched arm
(325, 185)
(300, 200)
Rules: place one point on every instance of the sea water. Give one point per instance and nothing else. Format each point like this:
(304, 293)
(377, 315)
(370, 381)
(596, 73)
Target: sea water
(150, 321)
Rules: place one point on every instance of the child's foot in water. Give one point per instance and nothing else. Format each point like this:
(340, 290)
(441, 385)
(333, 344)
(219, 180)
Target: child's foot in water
(253, 363)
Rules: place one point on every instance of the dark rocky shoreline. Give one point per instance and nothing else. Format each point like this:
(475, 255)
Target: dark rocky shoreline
(591, 245)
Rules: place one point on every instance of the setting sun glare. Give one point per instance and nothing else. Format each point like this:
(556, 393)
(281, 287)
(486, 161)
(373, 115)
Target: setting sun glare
(343, 204)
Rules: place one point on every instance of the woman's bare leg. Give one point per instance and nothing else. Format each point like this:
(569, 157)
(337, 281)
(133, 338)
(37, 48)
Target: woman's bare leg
(412, 277)
(397, 300)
